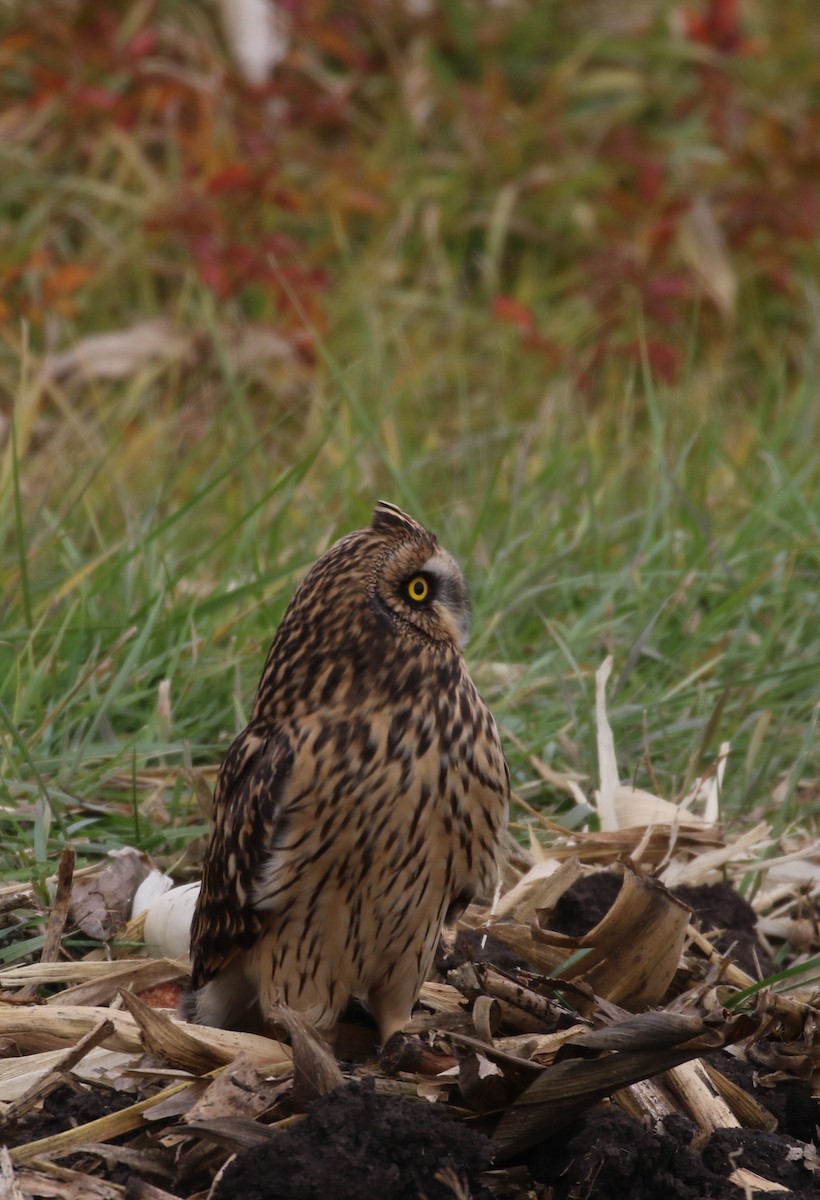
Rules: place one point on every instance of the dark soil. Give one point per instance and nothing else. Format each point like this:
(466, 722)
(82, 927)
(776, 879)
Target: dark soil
(65, 1108)
(766, 1154)
(790, 1101)
(471, 944)
(355, 1145)
(585, 903)
(719, 910)
(610, 1156)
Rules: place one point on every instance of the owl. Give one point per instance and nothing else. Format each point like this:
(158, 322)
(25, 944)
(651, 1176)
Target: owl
(360, 810)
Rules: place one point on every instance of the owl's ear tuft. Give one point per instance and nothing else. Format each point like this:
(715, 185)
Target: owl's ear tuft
(389, 518)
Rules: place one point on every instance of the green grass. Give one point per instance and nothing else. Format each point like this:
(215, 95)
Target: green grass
(696, 571)
(152, 527)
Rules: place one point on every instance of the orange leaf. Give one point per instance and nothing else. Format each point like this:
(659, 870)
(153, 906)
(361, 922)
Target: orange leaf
(358, 200)
(62, 281)
(13, 43)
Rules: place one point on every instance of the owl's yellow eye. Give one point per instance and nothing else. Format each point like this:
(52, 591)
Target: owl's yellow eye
(418, 589)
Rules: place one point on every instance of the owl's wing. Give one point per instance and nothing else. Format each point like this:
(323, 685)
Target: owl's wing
(247, 811)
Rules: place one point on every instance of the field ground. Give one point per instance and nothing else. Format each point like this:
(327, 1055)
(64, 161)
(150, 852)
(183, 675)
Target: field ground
(549, 282)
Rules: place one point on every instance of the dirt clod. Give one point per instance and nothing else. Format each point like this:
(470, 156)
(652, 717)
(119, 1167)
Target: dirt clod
(355, 1145)
(585, 903)
(717, 906)
(767, 1154)
(611, 1156)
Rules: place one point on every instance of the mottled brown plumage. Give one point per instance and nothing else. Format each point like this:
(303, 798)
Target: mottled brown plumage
(361, 807)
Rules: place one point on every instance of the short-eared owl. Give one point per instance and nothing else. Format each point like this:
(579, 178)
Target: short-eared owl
(360, 809)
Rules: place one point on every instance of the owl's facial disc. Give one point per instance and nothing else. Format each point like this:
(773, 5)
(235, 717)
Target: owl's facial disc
(437, 591)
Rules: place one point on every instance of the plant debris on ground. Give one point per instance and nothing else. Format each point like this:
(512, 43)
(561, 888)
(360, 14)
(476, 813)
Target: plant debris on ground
(514, 1082)
(594, 1035)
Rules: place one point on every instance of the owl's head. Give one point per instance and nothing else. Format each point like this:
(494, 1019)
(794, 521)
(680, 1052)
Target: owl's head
(414, 584)
(357, 615)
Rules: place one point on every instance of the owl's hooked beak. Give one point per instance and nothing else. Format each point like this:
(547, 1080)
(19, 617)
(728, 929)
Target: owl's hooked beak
(460, 626)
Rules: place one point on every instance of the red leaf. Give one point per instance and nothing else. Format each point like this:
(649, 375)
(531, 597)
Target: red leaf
(719, 27)
(97, 98)
(513, 312)
(664, 286)
(142, 43)
(234, 177)
(650, 181)
(663, 360)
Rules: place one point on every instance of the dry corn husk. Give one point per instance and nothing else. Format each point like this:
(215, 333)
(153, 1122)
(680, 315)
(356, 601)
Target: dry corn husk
(66, 1024)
